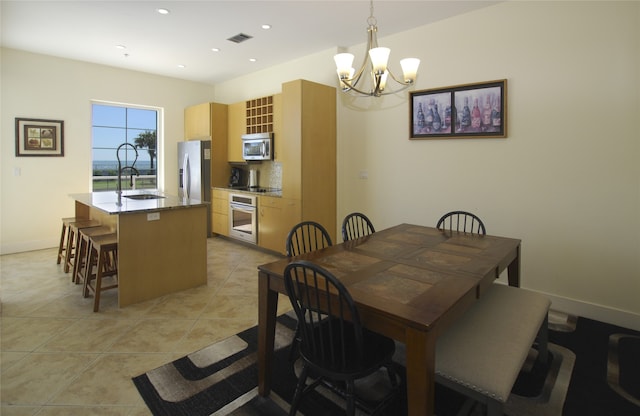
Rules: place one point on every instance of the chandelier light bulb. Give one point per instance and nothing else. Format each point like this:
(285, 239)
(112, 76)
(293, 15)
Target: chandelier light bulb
(410, 69)
(344, 63)
(379, 58)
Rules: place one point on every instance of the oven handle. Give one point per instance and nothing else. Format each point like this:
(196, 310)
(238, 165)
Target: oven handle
(241, 207)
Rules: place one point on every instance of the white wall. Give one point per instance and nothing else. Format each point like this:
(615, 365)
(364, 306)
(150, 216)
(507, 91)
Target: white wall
(567, 179)
(37, 86)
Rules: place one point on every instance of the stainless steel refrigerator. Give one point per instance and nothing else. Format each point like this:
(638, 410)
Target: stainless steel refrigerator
(194, 170)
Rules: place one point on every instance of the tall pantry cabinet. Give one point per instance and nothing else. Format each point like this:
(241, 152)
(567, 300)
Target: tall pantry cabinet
(308, 151)
(208, 121)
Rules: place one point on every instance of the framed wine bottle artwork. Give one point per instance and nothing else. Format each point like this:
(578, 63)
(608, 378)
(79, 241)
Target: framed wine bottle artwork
(461, 111)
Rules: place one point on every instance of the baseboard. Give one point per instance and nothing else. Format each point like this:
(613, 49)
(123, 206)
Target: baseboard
(28, 246)
(600, 313)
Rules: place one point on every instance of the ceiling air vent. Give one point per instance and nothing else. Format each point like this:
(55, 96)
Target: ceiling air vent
(239, 38)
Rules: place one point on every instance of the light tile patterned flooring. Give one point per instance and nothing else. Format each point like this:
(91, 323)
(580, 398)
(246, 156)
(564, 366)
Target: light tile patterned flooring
(58, 357)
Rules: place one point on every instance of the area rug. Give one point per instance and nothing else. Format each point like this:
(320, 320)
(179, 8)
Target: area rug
(592, 370)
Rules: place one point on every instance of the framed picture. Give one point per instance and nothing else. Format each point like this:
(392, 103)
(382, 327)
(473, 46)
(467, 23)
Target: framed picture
(37, 137)
(462, 111)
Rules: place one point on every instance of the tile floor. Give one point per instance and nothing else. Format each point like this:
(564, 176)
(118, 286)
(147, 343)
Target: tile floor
(58, 357)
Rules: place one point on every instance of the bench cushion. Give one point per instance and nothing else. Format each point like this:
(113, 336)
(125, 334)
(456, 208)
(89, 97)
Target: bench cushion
(485, 349)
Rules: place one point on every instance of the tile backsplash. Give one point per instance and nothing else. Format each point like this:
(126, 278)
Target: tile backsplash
(270, 174)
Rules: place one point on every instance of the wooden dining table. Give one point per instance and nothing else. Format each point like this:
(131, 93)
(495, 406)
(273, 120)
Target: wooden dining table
(410, 283)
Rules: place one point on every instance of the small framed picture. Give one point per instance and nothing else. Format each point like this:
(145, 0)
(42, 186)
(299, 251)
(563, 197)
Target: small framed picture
(38, 137)
(462, 111)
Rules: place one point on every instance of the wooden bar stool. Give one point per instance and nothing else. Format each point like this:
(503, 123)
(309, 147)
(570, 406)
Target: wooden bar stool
(64, 236)
(104, 252)
(84, 249)
(73, 238)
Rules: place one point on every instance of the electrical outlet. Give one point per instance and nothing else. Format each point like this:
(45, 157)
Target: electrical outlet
(153, 216)
(364, 174)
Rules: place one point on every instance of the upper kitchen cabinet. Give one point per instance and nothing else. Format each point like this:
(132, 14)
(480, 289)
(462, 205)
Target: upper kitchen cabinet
(208, 121)
(197, 122)
(308, 150)
(237, 125)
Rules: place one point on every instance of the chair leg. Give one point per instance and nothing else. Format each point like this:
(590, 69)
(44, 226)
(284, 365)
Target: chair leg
(295, 345)
(543, 341)
(494, 408)
(351, 398)
(392, 376)
(302, 381)
(88, 273)
(102, 265)
(68, 253)
(61, 246)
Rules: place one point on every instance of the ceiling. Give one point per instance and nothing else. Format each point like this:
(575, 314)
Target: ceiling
(91, 30)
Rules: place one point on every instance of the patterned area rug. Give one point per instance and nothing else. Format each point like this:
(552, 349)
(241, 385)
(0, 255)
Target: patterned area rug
(591, 371)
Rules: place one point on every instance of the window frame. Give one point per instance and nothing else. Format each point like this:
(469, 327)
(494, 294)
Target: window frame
(159, 159)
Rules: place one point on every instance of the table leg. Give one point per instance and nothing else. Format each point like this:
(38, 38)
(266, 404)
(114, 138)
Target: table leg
(267, 310)
(513, 270)
(421, 351)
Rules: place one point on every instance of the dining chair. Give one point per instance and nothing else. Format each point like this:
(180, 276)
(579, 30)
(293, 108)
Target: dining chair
(356, 225)
(305, 237)
(461, 221)
(338, 350)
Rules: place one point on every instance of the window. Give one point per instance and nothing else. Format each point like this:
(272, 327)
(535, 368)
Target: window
(131, 129)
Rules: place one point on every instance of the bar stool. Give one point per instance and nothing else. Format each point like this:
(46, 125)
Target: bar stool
(104, 251)
(84, 249)
(64, 236)
(73, 238)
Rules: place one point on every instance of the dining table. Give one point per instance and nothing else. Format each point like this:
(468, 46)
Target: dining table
(410, 283)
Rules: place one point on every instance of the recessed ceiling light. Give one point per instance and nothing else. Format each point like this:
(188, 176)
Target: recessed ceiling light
(252, 59)
(215, 49)
(163, 11)
(182, 66)
(266, 27)
(121, 47)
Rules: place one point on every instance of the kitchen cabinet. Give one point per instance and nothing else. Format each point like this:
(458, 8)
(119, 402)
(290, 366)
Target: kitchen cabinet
(209, 121)
(237, 124)
(197, 122)
(277, 126)
(220, 212)
(276, 217)
(308, 150)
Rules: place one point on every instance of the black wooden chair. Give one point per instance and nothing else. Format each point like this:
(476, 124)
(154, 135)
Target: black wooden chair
(339, 350)
(305, 237)
(356, 225)
(461, 221)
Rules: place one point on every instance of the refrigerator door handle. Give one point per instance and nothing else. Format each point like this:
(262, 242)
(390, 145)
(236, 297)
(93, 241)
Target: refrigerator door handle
(186, 166)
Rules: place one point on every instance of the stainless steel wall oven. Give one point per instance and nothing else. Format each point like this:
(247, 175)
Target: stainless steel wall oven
(243, 223)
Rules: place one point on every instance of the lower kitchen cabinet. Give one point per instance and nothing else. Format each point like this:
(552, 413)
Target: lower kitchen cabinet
(276, 217)
(220, 212)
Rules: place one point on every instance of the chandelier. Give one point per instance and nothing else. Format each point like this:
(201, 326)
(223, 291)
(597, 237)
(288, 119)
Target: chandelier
(375, 60)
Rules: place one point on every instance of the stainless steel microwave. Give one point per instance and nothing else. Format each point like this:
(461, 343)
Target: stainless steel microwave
(257, 146)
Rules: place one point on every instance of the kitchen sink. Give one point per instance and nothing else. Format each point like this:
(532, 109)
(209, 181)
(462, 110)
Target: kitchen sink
(144, 196)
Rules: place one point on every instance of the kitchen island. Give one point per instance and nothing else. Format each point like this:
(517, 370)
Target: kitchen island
(162, 240)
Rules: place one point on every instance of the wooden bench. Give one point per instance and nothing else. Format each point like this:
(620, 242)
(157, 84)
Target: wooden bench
(482, 354)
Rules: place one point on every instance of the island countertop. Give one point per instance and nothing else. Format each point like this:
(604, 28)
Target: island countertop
(108, 202)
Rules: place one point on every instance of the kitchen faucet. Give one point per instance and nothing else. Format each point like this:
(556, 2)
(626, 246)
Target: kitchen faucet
(122, 169)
